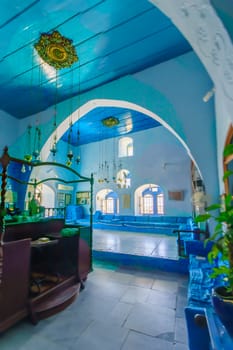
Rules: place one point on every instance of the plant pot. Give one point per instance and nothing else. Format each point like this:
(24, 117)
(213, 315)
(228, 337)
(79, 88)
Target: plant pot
(222, 302)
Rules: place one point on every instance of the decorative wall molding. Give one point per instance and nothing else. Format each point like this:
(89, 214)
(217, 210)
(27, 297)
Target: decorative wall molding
(200, 25)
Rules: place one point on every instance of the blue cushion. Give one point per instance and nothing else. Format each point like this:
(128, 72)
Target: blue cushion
(79, 212)
(97, 216)
(200, 285)
(197, 247)
(182, 219)
(141, 218)
(129, 218)
(74, 212)
(154, 219)
(170, 219)
(107, 217)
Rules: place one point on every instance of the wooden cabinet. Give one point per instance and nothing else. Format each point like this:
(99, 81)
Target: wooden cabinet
(40, 278)
(14, 283)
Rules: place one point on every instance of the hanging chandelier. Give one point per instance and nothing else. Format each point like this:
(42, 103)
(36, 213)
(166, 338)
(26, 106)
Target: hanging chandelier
(32, 153)
(28, 151)
(53, 148)
(56, 50)
(69, 149)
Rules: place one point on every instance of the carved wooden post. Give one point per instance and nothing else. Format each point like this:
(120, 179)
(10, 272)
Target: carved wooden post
(5, 159)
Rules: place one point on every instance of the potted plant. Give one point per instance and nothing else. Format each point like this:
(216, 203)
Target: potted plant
(221, 252)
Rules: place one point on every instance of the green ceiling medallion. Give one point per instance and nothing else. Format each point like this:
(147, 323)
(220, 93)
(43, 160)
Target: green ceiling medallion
(110, 121)
(56, 50)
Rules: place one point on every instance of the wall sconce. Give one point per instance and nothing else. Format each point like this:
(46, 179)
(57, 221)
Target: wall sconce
(208, 95)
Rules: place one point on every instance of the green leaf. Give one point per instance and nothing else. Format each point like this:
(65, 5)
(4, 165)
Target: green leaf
(221, 270)
(202, 217)
(217, 232)
(227, 174)
(213, 207)
(213, 254)
(228, 200)
(228, 150)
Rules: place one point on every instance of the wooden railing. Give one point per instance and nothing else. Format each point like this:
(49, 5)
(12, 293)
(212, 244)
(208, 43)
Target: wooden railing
(54, 212)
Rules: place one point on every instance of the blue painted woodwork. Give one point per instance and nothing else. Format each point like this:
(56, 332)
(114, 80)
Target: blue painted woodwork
(74, 213)
(91, 129)
(112, 38)
(211, 335)
(219, 337)
(150, 263)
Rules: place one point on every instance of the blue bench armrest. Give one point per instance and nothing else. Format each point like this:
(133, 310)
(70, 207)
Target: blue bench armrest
(198, 334)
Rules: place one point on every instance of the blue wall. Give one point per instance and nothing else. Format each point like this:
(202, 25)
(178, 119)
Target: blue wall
(173, 91)
(159, 158)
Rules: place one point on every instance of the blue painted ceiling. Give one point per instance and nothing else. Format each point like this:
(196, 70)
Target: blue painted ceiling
(112, 38)
(90, 127)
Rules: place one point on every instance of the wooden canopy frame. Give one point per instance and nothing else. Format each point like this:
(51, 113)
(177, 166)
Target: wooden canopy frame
(6, 159)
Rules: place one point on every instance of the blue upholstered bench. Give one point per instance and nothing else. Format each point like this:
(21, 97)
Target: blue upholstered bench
(142, 223)
(190, 240)
(199, 296)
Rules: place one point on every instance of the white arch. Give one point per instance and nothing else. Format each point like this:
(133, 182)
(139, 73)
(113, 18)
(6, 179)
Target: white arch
(200, 25)
(87, 107)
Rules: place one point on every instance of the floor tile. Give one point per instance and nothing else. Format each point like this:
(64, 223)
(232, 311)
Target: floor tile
(135, 295)
(162, 298)
(120, 313)
(151, 320)
(138, 341)
(180, 330)
(179, 346)
(101, 336)
(180, 305)
(165, 285)
(142, 281)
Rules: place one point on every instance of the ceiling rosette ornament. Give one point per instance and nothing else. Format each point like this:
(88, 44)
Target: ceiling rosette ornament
(56, 50)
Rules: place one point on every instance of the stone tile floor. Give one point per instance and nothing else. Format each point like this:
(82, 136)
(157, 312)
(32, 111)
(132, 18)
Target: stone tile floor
(120, 308)
(135, 243)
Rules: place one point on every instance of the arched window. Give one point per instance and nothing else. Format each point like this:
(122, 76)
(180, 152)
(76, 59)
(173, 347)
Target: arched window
(125, 147)
(160, 203)
(148, 204)
(123, 179)
(111, 203)
(107, 202)
(149, 200)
